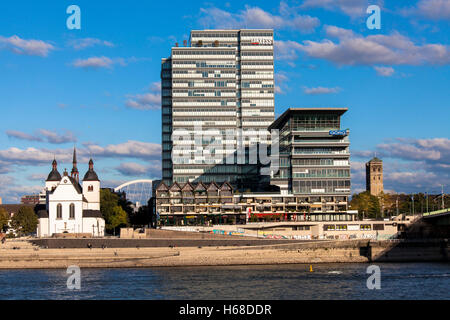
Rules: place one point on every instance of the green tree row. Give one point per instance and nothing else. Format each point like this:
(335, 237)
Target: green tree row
(392, 204)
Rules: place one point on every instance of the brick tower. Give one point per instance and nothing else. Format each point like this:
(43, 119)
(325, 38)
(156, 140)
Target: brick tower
(374, 176)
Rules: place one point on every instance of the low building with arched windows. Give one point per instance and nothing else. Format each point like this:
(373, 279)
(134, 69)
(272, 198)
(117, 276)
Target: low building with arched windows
(71, 207)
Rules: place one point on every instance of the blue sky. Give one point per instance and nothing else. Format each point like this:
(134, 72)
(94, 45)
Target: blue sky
(98, 87)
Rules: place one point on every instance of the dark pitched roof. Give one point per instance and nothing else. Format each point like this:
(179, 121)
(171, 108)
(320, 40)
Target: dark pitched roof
(175, 187)
(162, 187)
(54, 175)
(187, 187)
(92, 214)
(76, 185)
(212, 186)
(226, 186)
(375, 159)
(200, 187)
(90, 176)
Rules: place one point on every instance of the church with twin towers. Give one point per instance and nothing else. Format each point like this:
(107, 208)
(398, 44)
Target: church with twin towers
(66, 206)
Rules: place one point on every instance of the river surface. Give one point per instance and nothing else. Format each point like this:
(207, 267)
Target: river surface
(327, 281)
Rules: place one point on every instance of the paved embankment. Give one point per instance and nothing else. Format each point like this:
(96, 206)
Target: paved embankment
(154, 243)
(26, 255)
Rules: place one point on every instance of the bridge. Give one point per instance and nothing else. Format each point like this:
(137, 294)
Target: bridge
(438, 217)
(137, 190)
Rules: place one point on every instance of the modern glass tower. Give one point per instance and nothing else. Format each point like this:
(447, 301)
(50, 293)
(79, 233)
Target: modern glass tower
(314, 158)
(223, 83)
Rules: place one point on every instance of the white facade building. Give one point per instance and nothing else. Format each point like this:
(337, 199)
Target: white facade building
(70, 207)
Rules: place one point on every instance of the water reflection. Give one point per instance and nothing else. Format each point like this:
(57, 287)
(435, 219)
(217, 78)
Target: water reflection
(328, 281)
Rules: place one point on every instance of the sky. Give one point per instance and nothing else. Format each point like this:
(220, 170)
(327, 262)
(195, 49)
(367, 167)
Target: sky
(98, 88)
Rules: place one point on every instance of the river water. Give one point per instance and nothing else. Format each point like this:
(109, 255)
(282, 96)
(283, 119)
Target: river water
(327, 281)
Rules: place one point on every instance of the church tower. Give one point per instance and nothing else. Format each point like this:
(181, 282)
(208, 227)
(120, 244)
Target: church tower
(54, 177)
(374, 176)
(91, 188)
(74, 173)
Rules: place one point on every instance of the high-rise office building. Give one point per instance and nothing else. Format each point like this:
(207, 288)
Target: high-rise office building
(314, 158)
(374, 176)
(222, 83)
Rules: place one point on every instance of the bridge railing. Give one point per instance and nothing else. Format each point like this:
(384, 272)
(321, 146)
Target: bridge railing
(436, 212)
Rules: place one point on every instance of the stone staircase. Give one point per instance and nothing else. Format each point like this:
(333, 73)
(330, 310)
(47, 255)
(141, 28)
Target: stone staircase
(18, 244)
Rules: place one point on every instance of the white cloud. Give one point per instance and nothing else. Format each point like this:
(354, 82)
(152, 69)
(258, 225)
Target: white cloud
(26, 47)
(321, 90)
(12, 191)
(80, 44)
(286, 50)
(22, 135)
(5, 167)
(42, 135)
(407, 150)
(412, 165)
(33, 156)
(384, 71)
(134, 169)
(56, 138)
(147, 101)
(430, 9)
(280, 82)
(104, 62)
(352, 8)
(354, 49)
(37, 176)
(93, 62)
(16, 157)
(129, 149)
(255, 17)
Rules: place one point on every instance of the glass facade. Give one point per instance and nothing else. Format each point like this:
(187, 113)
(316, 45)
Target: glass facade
(314, 157)
(222, 81)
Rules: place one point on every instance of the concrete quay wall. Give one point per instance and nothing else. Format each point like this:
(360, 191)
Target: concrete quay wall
(31, 256)
(152, 243)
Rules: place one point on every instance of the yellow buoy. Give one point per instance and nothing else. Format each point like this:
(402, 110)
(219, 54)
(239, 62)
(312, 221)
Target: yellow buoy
(311, 268)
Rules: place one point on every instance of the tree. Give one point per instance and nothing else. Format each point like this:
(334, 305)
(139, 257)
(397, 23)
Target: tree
(360, 202)
(374, 207)
(4, 218)
(119, 218)
(366, 204)
(142, 217)
(25, 221)
(113, 213)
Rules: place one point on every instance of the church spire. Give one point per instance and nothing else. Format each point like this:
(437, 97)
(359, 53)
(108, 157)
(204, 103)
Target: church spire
(74, 173)
(54, 174)
(54, 164)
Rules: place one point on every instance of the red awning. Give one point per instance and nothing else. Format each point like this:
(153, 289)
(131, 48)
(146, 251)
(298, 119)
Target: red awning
(268, 214)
